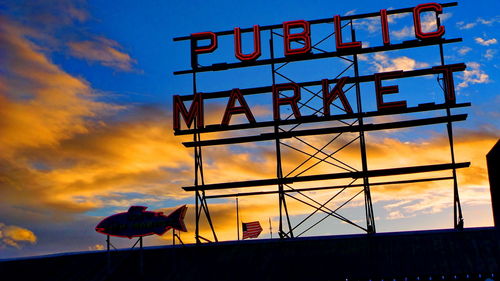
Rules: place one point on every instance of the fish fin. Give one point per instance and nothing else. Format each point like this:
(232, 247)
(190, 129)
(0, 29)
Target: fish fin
(177, 218)
(137, 209)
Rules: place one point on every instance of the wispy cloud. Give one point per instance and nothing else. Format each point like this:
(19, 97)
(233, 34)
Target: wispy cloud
(490, 54)
(485, 42)
(15, 236)
(49, 15)
(428, 24)
(429, 21)
(371, 24)
(395, 17)
(104, 51)
(464, 25)
(384, 63)
(394, 215)
(489, 21)
(474, 76)
(405, 32)
(351, 12)
(464, 50)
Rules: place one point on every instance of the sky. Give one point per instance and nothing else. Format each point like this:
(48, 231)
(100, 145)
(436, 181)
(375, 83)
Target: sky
(86, 131)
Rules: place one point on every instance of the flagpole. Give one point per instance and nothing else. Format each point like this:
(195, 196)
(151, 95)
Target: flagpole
(237, 218)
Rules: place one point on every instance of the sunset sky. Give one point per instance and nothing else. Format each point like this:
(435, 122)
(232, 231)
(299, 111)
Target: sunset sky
(86, 117)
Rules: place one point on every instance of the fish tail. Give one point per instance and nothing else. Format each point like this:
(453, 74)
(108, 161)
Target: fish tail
(177, 218)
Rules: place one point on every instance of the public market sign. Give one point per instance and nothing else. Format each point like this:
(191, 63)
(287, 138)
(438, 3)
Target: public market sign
(297, 46)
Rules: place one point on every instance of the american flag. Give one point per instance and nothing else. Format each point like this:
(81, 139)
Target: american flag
(251, 229)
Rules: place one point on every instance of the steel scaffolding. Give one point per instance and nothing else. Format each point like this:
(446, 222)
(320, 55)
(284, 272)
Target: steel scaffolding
(289, 128)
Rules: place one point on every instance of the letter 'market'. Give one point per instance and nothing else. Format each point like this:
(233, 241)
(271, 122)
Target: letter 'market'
(304, 36)
(337, 92)
(195, 111)
(386, 90)
(231, 109)
(292, 101)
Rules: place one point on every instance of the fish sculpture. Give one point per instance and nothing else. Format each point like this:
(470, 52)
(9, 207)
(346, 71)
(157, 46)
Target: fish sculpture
(138, 222)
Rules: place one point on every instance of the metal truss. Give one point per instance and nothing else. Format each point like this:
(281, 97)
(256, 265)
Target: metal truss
(201, 205)
(326, 157)
(288, 132)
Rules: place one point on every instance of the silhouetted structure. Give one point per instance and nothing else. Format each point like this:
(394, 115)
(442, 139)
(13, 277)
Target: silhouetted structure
(471, 254)
(493, 159)
(342, 129)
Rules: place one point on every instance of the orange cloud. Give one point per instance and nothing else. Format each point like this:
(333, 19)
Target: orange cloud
(97, 247)
(41, 104)
(15, 236)
(104, 51)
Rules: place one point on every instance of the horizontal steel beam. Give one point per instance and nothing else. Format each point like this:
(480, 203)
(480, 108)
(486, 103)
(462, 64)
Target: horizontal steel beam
(404, 45)
(350, 80)
(354, 175)
(328, 130)
(323, 188)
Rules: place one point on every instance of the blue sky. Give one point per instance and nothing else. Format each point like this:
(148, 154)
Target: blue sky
(85, 104)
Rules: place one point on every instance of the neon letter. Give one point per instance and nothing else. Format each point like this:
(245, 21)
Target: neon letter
(256, 44)
(449, 85)
(337, 92)
(203, 49)
(417, 23)
(338, 36)
(305, 36)
(292, 101)
(232, 109)
(195, 111)
(381, 91)
(385, 27)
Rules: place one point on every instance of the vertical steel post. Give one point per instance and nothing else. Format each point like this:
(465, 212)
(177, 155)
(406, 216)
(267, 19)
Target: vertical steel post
(273, 77)
(279, 170)
(196, 183)
(200, 200)
(108, 254)
(237, 219)
(458, 220)
(370, 218)
(141, 257)
(194, 66)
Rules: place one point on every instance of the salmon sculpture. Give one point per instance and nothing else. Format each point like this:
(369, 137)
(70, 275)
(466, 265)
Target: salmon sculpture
(138, 222)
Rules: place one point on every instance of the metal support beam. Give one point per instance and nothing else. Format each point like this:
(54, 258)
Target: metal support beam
(325, 187)
(370, 218)
(458, 220)
(199, 180)
(331, 176)
(283, 210)
(331, 130)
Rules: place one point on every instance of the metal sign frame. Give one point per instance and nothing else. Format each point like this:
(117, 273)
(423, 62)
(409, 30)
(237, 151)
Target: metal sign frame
(290, 128)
